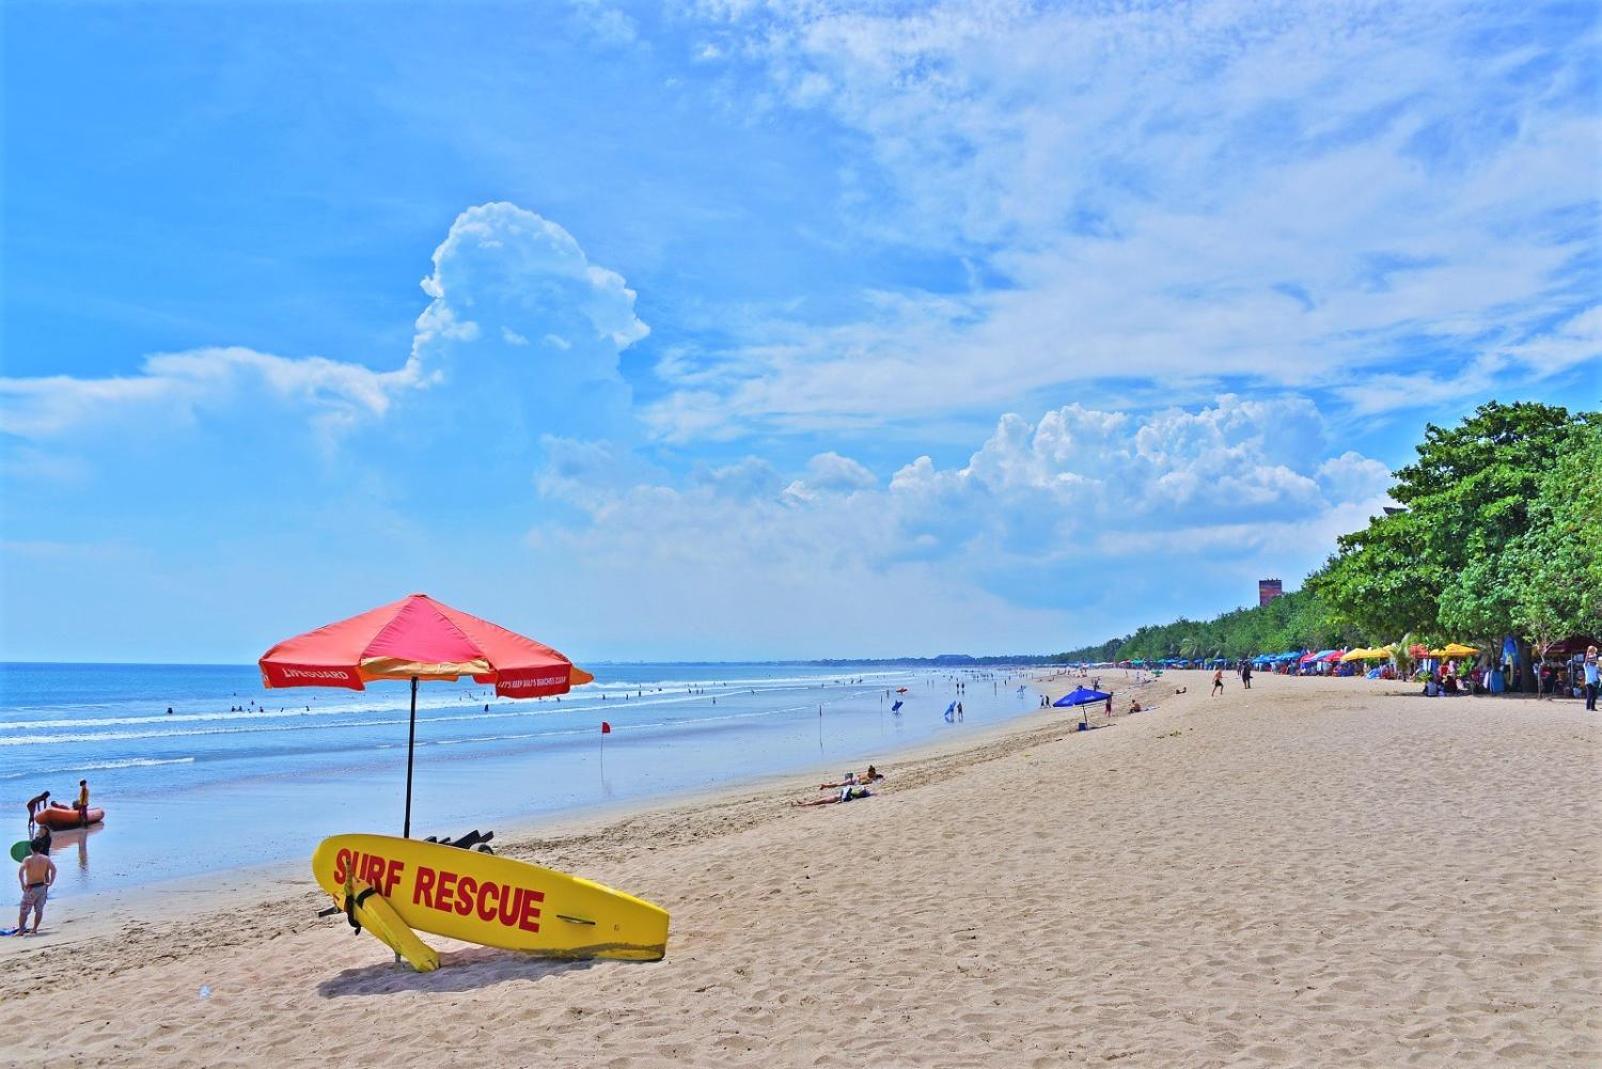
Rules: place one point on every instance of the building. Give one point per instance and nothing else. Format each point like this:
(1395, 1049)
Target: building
(1268, 590)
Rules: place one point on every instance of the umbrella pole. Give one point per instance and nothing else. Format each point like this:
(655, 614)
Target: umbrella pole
(411, 744)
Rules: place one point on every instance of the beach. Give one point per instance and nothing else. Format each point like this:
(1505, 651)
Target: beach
(1317, 871)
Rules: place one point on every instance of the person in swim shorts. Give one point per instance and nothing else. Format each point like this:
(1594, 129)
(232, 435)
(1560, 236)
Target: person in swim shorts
(35, 875)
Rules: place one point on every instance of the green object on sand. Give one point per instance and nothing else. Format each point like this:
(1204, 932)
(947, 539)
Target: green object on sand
(19, 851)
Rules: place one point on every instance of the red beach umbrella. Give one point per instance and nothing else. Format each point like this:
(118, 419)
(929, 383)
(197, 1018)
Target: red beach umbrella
(419, 638)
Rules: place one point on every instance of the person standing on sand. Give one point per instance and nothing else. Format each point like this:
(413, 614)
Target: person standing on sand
(1593, 678)
(1246, 674)
(1218, 683)
(35, 875)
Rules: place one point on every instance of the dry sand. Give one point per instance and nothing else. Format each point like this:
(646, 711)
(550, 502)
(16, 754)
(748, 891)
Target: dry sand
(1318, 872)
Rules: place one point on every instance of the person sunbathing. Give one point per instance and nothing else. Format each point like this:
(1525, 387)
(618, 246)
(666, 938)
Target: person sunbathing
(847, 794)
(851, 779)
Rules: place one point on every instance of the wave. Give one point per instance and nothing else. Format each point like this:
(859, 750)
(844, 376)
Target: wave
(590, 698)
(430, 697)
(98, 766)
(547, 711)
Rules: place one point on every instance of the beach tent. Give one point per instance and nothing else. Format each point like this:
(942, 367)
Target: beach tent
(1570, 646)
(419, 638)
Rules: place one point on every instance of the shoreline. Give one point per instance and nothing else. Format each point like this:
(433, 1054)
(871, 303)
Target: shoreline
(1310, 872)
(168, 901)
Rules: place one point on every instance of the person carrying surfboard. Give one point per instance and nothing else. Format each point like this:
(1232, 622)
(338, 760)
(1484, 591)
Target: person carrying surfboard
(35, 875)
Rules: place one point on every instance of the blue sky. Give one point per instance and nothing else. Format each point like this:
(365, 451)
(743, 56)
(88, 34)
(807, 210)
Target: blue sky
(734, 329)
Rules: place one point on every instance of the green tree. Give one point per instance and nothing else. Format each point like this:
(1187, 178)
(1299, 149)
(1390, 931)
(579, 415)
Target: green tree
(1557, 562)
(1444, 566)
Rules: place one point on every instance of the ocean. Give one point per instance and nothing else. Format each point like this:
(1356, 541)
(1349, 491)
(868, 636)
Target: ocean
(200, 769)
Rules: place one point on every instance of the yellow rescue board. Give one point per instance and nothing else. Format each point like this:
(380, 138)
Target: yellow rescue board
(494, 901)
(378, 917)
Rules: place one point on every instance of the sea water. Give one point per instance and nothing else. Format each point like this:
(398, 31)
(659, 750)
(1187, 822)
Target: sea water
(236, 775)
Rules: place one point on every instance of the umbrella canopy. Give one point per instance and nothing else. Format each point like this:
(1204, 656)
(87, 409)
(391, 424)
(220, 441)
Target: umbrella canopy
(1081, 696)
(1454, 649)
(419, 638)
(1356, 655)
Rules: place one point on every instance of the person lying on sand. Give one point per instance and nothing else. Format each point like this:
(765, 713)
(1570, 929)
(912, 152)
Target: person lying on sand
(36, 873)
(847, 794)
(1134, 707)
(851, 779)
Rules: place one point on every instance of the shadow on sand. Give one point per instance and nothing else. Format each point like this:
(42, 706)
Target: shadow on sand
(465, 970)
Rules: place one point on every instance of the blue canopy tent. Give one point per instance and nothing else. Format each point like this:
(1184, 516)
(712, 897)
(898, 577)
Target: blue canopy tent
(1081, 698)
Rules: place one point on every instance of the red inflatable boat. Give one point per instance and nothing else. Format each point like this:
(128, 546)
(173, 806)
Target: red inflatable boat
(65, 817)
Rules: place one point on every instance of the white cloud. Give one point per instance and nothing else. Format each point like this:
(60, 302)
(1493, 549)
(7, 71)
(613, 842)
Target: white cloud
(1354, 477)
(608, 25)
(831, 473)
(1078, 496)
(1296, 195)
(502, 274)
(172, 387)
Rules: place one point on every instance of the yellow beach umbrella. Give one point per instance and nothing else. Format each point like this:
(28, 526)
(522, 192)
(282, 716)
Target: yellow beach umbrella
(1356, 655)
(1454, 649)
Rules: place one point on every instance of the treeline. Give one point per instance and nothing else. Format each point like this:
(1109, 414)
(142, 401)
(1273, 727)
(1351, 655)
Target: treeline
(1499, 533)
(1292, 622)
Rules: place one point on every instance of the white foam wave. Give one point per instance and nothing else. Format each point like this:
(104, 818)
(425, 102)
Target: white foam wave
(587, 698)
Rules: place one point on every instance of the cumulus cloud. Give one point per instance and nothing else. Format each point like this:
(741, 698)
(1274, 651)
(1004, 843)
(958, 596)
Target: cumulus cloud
(501, 276)
(1354, 477)
(1078, 495)
(831, 473)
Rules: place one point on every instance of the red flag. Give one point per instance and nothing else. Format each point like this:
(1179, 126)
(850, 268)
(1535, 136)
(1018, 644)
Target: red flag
(606, 729)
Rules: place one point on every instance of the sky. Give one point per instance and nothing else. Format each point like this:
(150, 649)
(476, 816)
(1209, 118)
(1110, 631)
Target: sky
(722, 330)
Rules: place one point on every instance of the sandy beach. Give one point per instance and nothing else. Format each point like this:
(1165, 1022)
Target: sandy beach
(1325, 872)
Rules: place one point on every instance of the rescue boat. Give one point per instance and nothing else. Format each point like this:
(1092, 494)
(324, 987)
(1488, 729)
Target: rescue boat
(65, 817)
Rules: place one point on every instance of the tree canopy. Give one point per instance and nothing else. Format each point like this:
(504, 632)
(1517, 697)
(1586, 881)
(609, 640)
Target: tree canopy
(1498, 532)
